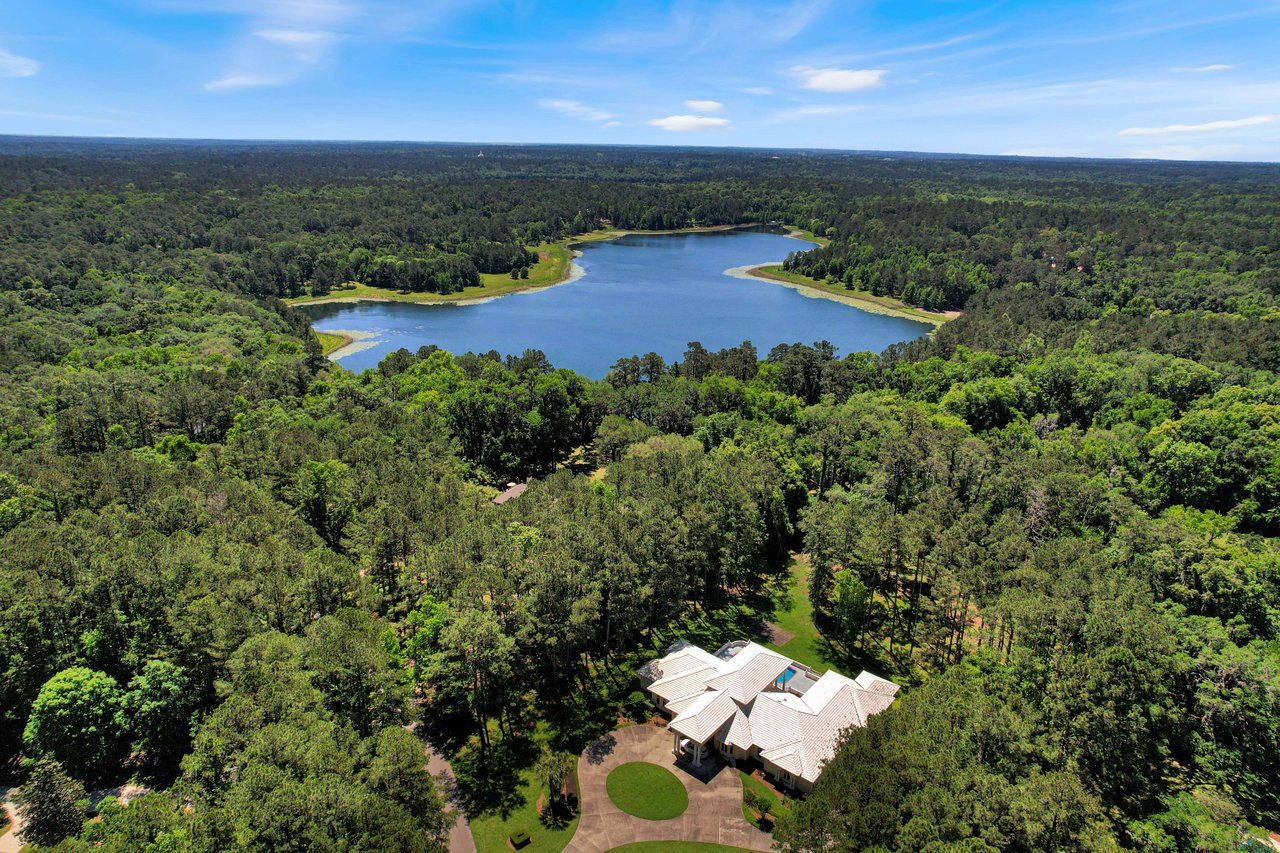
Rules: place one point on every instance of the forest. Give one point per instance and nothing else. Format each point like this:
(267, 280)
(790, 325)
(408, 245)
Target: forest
(255, 583)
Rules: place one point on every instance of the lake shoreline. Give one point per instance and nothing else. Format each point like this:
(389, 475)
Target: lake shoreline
(572, 271)
(355, 342)
(884, 305)
(666, 288)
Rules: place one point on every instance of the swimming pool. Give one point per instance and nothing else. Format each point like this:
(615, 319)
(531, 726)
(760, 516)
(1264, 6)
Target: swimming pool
(786, 675)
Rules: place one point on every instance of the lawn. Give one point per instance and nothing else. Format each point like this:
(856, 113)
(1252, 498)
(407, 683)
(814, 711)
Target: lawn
(548, 270)
(795, 614)
(330, 342)
(492, 830)
(863, 298)
(779, 807)
(647, 790)
(806, 234)
(551, 269)
(675, 847)
(501, 793)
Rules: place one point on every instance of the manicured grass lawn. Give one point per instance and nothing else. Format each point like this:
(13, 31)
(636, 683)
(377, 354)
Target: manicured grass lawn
(795, 614)
(675, 847)
(865, 297)
(330, 342)
(503, 798)
(491, 831)
(777, 809)
(647, 790)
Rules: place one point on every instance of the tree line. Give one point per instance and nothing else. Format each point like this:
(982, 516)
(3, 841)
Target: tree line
(237, 572)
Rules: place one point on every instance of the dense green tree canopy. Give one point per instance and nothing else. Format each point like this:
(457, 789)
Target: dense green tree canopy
(1054, 521)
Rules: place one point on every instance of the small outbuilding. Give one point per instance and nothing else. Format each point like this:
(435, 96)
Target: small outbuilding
(514, 490)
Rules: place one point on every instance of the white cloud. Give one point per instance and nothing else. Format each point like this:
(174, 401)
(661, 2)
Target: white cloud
(705, 106)
(1227, 124)
(825, 110)
(758, 90)
(686, 123)
(12, 65)
(612, 124)
(1205, 69)
(811, 111)
(575, 109)
(838, 79)
(282, 39)
(234, 82)
(308, 45)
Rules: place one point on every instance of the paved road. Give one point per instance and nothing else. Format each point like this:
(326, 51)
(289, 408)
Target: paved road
(715, 798)
(460, 838)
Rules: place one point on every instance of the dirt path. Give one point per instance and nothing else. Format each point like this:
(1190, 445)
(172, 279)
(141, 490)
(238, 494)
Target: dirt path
(715, 798)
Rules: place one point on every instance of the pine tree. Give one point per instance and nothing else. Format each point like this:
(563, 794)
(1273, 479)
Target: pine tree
(51, 804)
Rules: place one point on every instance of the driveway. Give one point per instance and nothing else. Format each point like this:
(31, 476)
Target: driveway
(715, 797)
(460, 838)
(9, 842)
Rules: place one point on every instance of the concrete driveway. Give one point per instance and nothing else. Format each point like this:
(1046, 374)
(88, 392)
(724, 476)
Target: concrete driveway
(715, 797)
(9, 842)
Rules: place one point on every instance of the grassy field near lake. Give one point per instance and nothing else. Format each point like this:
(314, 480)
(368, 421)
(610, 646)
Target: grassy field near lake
(330, 342)
(554, 262)
(861, 298)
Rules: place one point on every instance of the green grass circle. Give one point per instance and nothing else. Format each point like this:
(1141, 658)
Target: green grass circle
(646, 790)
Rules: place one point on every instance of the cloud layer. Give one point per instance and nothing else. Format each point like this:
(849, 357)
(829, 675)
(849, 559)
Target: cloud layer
(575, 109)
(687, 123)
(1205, 69)
(704, 106)
(838, 79)
(1227, 124)
(12, 65)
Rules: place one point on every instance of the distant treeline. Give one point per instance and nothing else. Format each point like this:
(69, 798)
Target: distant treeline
(288, 220)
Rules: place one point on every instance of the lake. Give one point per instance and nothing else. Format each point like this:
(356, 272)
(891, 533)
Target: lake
(632, 295)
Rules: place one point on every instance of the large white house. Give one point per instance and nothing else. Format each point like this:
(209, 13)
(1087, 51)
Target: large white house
(752, 703)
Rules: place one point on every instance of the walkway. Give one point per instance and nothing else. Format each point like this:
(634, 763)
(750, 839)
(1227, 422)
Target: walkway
(9, 842)
(715, 797)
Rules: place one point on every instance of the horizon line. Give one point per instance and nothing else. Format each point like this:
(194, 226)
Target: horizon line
(6, 137)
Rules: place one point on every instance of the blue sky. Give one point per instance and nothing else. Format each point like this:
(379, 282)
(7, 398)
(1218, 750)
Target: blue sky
(1172, 79)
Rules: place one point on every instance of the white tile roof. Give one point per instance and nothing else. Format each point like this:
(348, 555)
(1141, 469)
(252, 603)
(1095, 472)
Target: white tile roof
(798, 733)
(705, 717)
(749, 672)
(679, 658)
(739, 733)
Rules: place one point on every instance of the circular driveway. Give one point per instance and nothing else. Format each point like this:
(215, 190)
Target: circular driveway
(715, 797)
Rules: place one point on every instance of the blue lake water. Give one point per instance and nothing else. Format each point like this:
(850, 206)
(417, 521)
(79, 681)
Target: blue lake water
(636, 294)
